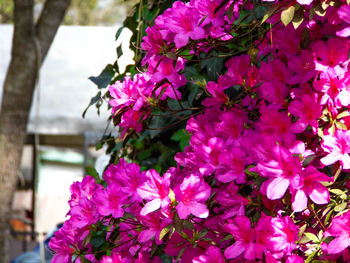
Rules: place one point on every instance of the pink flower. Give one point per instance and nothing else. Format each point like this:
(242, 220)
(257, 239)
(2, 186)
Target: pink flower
(127, 93)
(230, 201)
(218, 95)
(340, 229)
(274, 70)
(156, 190)
(133, 120)
(163, 68)
(344, 14)
(274, 92)
(330, 54)
(153, 43)
(191, 195)
(295, 259)
(239, 72)
(332, 85)
(111, 200)
(308, 110)
(311, 186)
(127, 175)
(212, 255)
(286, 234)
(180, 23)
(115, 258)
(84, 189)
(154, 224)
(83, 214)
(231, 167)
(283, 171)
(64, 243)
(338, 148)
(303, 66)
(244, 236)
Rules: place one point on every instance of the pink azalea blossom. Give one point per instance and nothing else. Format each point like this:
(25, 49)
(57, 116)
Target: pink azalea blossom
(191, 195)
(330, 54)
(285, 235)
(283, 171)
(84, 213)
(244, 237)
(84, 189)
(239, 72)
(127, 175)
(64, 243)
(115, 258)
(163, 68)
(125, 94)
(340, 229)
(111, 200)
(303, 67)
(231, 202)
(218, 95)
(153, 223)
(231, 166)
(338, 148)
(180, 23)
(133, 120)
(311, 186)
(308, 110)
(212, 255)
(156, 190)
(344, 14)
(153, 43)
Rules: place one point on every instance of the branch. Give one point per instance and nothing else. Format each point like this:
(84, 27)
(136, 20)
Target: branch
(50, 19)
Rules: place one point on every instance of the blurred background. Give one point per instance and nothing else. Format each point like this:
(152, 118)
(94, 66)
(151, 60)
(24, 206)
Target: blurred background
(60, 144)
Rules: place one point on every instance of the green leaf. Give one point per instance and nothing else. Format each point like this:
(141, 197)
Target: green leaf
(343, 114)
(165, 258)
(183, 137)
(119, 31)
(298, 18)
(105, 77)
(165, 231)
(340, 207)
(202, 233)
(213, 66)
(92, 171)
(287, 15)
(311, 256)
(97, 241)
(93, 101)
(269, 13)
(312, 237)
(337, 191)
(302, 230)
(119, 51)
(180, 254)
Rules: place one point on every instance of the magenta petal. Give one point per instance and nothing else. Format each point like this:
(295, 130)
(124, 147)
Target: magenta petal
(299, 201)
(146, 235)
(235, 250)
(277, 188)
(319, 194)
(150, 207)
(338, 245)
(183, 211)
(199, 210)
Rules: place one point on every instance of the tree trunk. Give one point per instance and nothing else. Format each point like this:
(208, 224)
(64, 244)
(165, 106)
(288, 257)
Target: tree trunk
(29, 47)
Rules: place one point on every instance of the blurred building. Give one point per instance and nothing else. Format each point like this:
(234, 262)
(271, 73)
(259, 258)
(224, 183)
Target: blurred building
(60, 142)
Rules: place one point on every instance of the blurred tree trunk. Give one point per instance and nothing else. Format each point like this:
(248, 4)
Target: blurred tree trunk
(31, 42)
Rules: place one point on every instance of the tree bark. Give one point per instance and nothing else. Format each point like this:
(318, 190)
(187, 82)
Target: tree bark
(30, 45)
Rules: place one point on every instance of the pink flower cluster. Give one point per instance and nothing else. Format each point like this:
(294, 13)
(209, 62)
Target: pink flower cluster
(256, 169)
